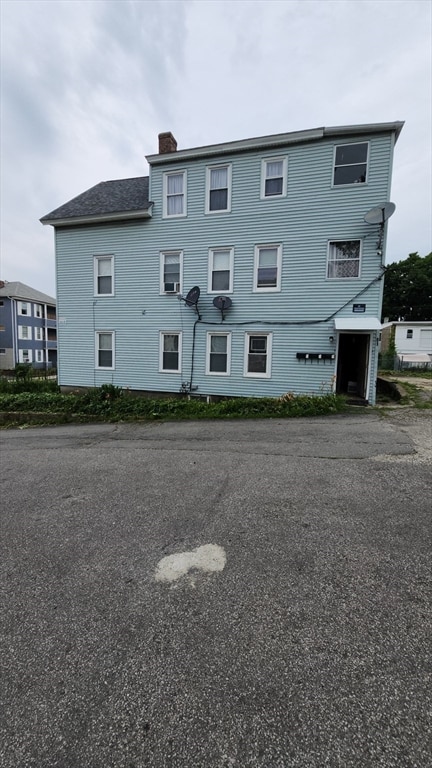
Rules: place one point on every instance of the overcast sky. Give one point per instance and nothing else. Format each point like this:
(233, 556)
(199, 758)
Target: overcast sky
(86, 87)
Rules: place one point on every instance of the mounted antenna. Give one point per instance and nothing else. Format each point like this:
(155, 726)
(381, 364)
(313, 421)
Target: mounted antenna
(379, 215)
(222, 303)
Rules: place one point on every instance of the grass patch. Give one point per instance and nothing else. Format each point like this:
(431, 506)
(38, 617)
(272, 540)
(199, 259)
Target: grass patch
(414, 373)
(111, 404)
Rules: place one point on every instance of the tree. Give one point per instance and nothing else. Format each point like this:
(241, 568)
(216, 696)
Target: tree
(408, 289)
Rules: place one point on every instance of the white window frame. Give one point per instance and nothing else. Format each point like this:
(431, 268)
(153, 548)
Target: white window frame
(165, 214)
(161, 351)
(162, 256)
(2, 350)
(21, 356)
(228, 336)
(345, 240)
(267, 374)
(24, 308)
(39, 356)
(212, 252)
(38, 333)
(21, 334)
(352, 183)
(38, 310)
(217, 167)
(103, 257)
(268, 289)
(97, 349)
(264, 162)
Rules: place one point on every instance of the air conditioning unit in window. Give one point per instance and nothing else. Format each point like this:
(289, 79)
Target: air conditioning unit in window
(172, 287)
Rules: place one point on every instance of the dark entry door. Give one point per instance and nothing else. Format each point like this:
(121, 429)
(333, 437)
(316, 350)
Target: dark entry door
(352, 369)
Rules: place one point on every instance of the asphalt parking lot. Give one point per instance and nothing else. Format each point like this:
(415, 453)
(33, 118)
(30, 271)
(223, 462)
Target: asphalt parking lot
(294, 629)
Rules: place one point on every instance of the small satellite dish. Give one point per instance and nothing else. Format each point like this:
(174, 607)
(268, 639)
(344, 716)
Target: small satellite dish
(222, 302)
(192, 297)
(380, 213)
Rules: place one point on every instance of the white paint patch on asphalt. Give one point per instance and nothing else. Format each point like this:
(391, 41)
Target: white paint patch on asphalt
(209, 558)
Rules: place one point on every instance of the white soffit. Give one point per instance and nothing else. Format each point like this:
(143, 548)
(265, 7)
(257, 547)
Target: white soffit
(357, 324)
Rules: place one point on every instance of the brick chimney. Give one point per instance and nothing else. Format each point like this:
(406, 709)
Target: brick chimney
(167, 143)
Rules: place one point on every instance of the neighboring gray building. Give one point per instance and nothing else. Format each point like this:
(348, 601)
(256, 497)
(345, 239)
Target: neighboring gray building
(271, 230)
(28, 327)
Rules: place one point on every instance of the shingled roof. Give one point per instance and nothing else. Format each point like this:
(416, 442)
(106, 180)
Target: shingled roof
(16, 290)
(118, 199)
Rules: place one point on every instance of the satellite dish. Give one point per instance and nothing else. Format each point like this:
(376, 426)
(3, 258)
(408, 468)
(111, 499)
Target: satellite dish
(222, 302)
(380, 213)
(192, 297)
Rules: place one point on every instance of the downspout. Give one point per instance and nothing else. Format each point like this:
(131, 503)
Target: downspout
(193, 353)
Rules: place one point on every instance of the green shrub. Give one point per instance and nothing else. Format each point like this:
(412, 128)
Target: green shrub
(112, 404)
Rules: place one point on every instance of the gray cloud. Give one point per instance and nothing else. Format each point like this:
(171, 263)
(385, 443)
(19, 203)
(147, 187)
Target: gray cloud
(86, 87)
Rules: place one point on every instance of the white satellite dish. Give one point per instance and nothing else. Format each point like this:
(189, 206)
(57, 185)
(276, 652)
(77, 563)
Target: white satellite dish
(380, 213)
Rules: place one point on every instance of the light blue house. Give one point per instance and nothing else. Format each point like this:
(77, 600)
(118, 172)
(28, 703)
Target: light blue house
(28, 327)
(271, 231)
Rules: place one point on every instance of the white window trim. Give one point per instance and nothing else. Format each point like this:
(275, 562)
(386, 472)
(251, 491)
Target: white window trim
(353, 183)
(228, 353)
(165, 214)
(104, 367)
(27, 304)
(39, 358)
(170, 333)
(266, 375)
(345, 240)
(277, 287)
(37, 307)
(212, 251)
(96, 258)
(38, 333)
(207, 193)
(21, 356)
(264, 162)
(162, 255)
(20, 333)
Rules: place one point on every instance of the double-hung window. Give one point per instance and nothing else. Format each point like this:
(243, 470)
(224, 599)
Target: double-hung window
(24, 332)
(350, 164)
(39, 356)
(170, 352)
(409, 333)
(39, 334)
(24, 308)
(268, 265)
(258, 355)
(274, 177)
(104, 275)
(38, 310)
(218, 194)
(171, 263)
(105, 349)
(174, 194)
(25, 355)
(343, 260)
(218, 354)
(220, 279)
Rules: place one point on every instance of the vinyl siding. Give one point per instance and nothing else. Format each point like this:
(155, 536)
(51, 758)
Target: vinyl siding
(303, 222)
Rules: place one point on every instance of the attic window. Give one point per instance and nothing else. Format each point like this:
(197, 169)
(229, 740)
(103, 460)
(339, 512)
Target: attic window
(350, 164)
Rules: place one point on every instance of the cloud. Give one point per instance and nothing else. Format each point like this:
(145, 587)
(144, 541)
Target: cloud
(87, 86)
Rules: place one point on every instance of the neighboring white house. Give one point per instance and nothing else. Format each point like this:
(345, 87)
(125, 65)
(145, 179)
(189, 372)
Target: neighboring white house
(413, 341)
